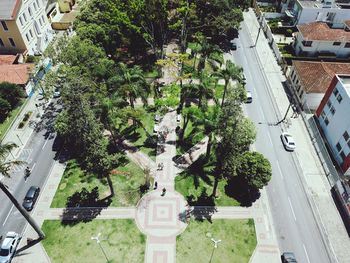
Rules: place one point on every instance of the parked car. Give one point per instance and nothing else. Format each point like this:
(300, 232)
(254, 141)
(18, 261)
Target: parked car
(56, 94)
(156, 118)
(288, 257)
(233, 45)
(249, 97)
(288, 141)
(31, 197)
(178, 118)
(9, 246)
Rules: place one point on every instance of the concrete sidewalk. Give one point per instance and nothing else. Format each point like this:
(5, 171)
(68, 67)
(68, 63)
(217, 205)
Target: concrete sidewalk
(312, 176)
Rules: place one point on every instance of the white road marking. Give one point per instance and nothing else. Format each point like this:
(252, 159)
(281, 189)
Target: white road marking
(291, 207)
(268, 135)
(307, 256)
(279, 169)
(44, 144)
(7, 217)
(33, 167)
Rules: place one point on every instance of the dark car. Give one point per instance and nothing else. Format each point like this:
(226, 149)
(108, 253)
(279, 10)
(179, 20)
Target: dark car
(31, 197)
(288, 257)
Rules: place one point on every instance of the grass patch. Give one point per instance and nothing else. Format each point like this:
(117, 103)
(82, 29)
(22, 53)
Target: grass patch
(197, 185)
(7, 122)
(238, 241)
(124, 242)
(127, 181)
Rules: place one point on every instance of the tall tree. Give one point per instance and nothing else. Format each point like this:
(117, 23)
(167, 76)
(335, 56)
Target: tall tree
(130, 83)
(230, 72)
(11, 93)
(5, 167)
(255, 169)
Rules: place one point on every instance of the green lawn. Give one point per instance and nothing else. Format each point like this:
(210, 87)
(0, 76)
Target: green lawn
(6, 124)
(196, 186)
(238, 241)
(126, 180)
(73, 244)
(138, 138)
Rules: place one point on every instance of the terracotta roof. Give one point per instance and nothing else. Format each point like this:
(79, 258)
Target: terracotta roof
(321, 31)
(315, 77)
(347, 23)
(7, 59)
(16, 73)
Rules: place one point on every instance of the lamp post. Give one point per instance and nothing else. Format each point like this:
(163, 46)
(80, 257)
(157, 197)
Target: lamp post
(216, 242)
(98, 241)
(19, 139)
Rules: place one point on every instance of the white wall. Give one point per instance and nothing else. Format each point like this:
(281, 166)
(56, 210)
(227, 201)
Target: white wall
(312, 100)
(35, 25)
(338, 123)
(308, 15)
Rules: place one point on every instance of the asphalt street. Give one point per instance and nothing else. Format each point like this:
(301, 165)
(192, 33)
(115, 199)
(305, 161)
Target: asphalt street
(39, 154)
(294, 223)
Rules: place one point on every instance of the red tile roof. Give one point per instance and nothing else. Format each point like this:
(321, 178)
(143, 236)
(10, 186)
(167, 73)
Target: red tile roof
(321, 31)
(347, 23)
(315, 77)
(16, 73)
(7, 59)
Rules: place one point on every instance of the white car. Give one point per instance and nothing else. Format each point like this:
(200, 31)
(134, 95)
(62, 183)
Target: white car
(249, 97)
(9, 246)
(288, 141)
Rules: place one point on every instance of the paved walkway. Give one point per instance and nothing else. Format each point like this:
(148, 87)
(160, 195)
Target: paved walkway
(160, 215)
(312, 176)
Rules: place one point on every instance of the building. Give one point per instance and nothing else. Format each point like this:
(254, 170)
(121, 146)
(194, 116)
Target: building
(318, 39)
(24, 27)
(333, 117)
(305, 11)
(311, 79)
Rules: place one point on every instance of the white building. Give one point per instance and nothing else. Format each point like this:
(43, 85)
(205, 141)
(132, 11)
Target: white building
(333, 116)
(24, 26)
(302, 12)
(317, 39)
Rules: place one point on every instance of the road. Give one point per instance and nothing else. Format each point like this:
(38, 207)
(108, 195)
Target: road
(294, 223)
(39, 154)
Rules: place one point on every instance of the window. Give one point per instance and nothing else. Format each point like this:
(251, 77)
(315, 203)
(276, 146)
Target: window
(323, 115)
(24, 16)
(307, 43)
(329, 103)
(335, 92)
(336, 43)
(31, 32)
(12, 42)
(339, 98)
(326, 121)
(37, 3)
(338, 147)
(1, 43)
(332, 110)
(293, 79)
(43, 19)
(347, 45)
(35, 7)
(41, 23)
(349, 144)
(27, 37)
(346, 135)
(21, 21)
(4, 26)
(30, 11)
(342, 155)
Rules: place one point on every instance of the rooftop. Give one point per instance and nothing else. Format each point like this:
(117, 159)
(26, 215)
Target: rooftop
(14, 73)
(321, 31)
(9, 8)
(316, 4)
(315, 77)
(345, 80)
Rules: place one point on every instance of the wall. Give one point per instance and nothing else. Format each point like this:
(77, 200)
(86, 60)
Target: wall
(308, 15)
(265, 27)
(313, 100)
(270, 15)
(13, 32)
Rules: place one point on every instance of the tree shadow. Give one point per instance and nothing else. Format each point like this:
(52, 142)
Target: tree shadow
(84, 206)
(238, 189)
(203, 206)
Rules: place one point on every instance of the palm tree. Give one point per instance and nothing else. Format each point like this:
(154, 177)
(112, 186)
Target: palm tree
(5, 167)
(205, 89)
(131, 83)
(231, 71)
(206, 50)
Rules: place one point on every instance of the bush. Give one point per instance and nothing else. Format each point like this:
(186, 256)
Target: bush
(30, 59)
(289, 32)
(27, 116)
(20, 125)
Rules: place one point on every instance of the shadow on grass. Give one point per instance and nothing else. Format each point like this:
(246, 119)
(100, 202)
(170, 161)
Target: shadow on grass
(84, 206)
(203, 206)
(238, 189)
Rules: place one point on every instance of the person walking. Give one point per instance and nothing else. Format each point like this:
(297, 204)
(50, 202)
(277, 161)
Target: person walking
(26, 173)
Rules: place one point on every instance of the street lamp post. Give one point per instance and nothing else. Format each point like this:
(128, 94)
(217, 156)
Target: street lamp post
(216, 242)
(19, 139)
(98, 241)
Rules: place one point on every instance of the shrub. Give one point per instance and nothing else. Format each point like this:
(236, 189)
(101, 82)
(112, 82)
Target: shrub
(289, 32)
(20, 125)
(27, 116)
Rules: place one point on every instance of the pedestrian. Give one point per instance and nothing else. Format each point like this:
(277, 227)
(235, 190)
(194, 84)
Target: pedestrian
(155, 185)
(26, 173)
(163, 191)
